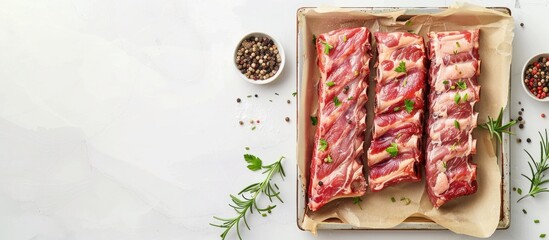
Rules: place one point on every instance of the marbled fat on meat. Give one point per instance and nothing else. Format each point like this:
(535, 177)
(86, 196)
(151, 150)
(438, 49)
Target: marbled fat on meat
(336, 169)
(455, 65)
(394, 124)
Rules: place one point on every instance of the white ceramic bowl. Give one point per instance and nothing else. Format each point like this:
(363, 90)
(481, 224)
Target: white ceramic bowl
(524, 68)
(280, 51)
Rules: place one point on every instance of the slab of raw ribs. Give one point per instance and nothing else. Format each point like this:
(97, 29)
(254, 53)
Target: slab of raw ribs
(395, 152)
(454, 91)
(336, 165)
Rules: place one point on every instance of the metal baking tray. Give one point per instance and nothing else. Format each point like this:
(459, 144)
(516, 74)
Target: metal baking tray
(413, 222)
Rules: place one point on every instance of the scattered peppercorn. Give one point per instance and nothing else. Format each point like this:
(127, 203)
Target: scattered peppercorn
(238, 100)
(287, 119)
(521, 126)
(514, 189)
(252, 121)
(520, 113)
(522, 109)
(519, 140)
(276, 94)
(288, 101)
(257, 121)
(256, 95)
(320, 183)
(536, 78)
(529, 140)
(519, 119)
(520, 103)
(524, 211)
(258, 58)
(522, 24)
(241, 122)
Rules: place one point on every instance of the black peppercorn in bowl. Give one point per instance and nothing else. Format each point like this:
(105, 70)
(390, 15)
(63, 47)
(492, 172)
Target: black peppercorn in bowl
(259, 58)
(535, 77)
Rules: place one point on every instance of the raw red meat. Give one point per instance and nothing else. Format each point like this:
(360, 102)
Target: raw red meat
(336, 165)
(401, 82)
(455, 66)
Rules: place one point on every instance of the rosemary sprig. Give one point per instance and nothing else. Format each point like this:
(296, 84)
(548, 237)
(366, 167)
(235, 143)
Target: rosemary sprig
(496, 127)
(537, 169)
(246, 200)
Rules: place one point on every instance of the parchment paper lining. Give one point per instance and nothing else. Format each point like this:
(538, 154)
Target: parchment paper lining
(475, 215)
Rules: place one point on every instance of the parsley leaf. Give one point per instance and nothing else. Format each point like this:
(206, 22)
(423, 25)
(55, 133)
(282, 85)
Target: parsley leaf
(456, 124)
(445, 82)
(393, 199)
(401, 67)
(396, 109)
(457, 44)
(409, 105)
(327, 47)
(247, 148)
(328, 159)
(392, 150)
(461, 85)
(406, 200)
(455, 52)
(294, 94)
(457, 98)
(314, 120)
(409, 23)
(536, 221)
(350, 98)
(336, 101)
(254, 163)
(357, 200)
(253, 128)
(323, 145)
(444, 165)
(405, 82)
(453, 147)
(465, 97)
(330, 84)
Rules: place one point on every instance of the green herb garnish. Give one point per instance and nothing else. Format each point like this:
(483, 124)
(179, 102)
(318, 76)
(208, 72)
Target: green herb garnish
(542, 235)
(409, 105)
(323, 144)
(344, 38)
(357, 200)
(536, 221)
(455, 52)
(330, 84)
(392, 150)
(401, 67)
(461, 84)
(314, 120)
(253, 128)
(445, 82)
(457, 44)
(328, 159)
(327, 47)
(465, 97)
(406, 200)
(444, 165)
(409, 23)
(350, 98)
(336, 101)
(254, 163)
(538, 168)
(396, 109)
(496, 127)
(457, 98)
(519, 191)
(405, 82)
(247, 148)
(456, 124)
(294, 94)
(246, 200)
(393, 199)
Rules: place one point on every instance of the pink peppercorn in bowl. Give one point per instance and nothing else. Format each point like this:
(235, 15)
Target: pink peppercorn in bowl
(535, 77)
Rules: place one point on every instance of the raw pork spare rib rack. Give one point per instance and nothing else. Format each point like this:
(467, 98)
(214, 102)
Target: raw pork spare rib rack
(395, 152)
(336, 168)
(454, 69)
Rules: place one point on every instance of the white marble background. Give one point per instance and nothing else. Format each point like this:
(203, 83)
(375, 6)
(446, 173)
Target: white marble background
(118, 119)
